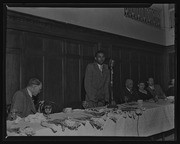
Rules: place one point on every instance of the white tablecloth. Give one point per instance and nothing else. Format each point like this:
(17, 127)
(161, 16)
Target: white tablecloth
(156, 118)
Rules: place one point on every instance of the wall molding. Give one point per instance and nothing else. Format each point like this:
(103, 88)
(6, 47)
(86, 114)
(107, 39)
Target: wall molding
(30, 23)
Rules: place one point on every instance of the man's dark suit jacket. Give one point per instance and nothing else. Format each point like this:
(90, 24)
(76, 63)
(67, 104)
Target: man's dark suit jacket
(157, 91)
(23, 103)
(131, 96)
(97, 83)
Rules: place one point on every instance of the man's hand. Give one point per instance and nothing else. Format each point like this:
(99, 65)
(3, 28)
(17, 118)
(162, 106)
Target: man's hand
(125, 99)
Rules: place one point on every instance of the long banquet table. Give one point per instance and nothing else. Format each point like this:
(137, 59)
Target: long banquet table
(154, 118)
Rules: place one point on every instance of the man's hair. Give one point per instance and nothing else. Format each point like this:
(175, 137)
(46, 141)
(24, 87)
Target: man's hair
(141, 81)
(99, 51)
(34, 81)
(128, 80)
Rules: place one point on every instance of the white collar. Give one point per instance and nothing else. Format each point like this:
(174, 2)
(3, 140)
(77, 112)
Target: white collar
(152, 87)
(29, 92)
(100, 66)
(128, 89)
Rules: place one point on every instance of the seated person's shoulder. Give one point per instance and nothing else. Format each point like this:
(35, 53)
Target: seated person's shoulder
(19, 93)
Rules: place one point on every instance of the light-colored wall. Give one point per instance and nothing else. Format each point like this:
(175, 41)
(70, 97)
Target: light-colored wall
(110, 20)
(169, 32)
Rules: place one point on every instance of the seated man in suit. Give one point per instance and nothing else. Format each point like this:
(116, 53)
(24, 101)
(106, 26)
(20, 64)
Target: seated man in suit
(22, 104)
(155, 89)
(129, 94)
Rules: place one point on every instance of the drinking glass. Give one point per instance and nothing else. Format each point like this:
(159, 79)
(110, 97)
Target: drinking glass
(13, 114)
(47, 111)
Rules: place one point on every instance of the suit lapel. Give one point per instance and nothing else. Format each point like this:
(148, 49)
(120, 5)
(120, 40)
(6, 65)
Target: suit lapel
(97, 69)
(129, 91)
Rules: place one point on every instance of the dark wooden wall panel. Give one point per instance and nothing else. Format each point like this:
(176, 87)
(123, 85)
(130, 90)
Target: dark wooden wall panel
(72, 91)
(12, 75)
(158, 69)
(125, 65)
(172, 65)
(53, 81)
(33, 43)
(52, 46)
(150, 65)
(117, 84)
(13, 58)
(32, 67)
(88, 49)
(72, 73)
(134, 67)
(14, 39)
(142, 67)
(72, 47)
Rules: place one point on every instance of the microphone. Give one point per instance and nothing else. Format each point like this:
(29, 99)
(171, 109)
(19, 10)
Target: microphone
(111, 62)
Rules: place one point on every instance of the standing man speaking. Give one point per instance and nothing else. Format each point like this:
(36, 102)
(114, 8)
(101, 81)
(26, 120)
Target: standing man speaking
(96, 82)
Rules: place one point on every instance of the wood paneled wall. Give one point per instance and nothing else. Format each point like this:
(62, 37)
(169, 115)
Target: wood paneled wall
(58, 53)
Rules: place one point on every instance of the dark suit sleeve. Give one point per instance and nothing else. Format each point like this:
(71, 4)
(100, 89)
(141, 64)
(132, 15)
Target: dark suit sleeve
(162, 94)
(149, 95)
(135, 95)
(90, 91)
(18, 102)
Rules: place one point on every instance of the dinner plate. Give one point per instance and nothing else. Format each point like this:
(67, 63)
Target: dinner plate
(77, 110)
(129, 108)
(132, 103)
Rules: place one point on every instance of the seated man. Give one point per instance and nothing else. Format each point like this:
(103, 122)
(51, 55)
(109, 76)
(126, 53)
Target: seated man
(155, 89)
(22, 103)
(129, 94)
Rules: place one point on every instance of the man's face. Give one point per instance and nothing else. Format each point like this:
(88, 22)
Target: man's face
(129, 84)
(141, 86)
(151, 82)
(100, 58)
(36, 89)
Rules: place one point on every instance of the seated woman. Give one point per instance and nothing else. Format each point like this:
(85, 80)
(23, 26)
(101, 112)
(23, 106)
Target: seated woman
(142, 93)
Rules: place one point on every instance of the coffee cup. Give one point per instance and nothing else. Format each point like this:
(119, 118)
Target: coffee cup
(67, 110)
